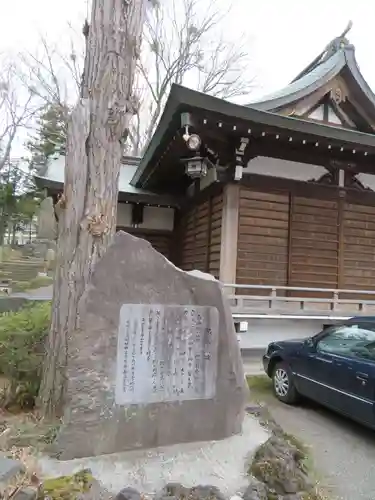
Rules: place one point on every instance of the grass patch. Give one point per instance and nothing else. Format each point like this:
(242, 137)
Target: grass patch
(37, 282)
(260, 386)
(22, 336)
(7, 253)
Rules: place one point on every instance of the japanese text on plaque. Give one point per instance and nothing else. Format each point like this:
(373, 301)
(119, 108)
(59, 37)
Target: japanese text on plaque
(166, 353)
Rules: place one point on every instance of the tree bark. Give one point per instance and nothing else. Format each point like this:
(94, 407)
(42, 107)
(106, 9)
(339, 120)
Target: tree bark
(87, 210)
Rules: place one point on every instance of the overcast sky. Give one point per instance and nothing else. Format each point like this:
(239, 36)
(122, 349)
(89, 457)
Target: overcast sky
(285, 34)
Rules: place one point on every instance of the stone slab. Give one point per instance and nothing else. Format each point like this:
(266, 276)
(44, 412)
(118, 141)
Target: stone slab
(219, 463)
(26, 494)
(132, 272)
(9, 469)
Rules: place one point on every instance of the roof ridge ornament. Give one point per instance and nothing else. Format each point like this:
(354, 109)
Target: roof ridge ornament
(338, 43)
(347, 29)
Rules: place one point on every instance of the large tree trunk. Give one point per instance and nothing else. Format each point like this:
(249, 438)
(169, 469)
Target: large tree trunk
(87, 211)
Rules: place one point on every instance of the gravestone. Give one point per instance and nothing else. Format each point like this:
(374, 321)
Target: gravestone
(155, 360)
(47, 224)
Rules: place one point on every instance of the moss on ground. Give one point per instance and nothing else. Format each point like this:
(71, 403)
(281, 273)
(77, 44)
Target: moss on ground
(67, 487)
(259, 384)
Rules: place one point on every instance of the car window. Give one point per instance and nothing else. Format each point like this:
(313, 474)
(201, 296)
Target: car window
(354, 340)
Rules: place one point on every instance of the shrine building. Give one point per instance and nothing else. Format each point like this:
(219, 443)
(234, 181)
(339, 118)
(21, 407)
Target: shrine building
(280, 192)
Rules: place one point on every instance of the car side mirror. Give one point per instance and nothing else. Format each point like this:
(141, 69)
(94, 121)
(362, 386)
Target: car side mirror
(310, 342)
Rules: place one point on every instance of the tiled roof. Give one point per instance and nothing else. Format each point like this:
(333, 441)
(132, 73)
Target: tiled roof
(338, 54)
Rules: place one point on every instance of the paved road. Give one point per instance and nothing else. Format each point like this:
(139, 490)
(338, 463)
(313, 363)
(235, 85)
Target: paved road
(343, 452)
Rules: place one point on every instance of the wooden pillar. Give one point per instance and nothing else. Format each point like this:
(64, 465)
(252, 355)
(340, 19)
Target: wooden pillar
(340, 241)
(229, 233)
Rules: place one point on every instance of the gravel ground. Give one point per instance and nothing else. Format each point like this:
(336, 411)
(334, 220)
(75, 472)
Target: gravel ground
(343, 452)
(218, 463)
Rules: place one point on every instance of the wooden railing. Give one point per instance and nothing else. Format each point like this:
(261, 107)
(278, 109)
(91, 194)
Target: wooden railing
(261, 300)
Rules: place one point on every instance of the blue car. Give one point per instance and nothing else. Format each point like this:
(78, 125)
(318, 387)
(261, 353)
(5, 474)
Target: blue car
(336, 368)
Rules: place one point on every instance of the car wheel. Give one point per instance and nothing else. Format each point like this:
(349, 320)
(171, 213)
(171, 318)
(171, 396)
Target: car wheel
(283, 385)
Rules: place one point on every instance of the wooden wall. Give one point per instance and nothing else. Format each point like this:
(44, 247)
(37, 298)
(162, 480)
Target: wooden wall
(291, 240)
(358, 242)
(160, 240)
(313, 243)
(215, 235)
(262, 252)
(199, 236)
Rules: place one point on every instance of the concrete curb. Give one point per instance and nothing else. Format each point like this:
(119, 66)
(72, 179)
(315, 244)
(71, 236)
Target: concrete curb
(253, 352)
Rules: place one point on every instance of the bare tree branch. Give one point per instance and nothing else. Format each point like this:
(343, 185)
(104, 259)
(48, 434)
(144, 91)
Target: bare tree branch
(222, 74)
(183, 46)
(53, 75)
(17, 109)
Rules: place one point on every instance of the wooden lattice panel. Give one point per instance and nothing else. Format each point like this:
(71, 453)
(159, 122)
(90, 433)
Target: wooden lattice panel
(262, 257)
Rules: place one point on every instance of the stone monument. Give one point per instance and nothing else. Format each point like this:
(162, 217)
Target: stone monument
(45, 244)
(47, 224)
(155, 361)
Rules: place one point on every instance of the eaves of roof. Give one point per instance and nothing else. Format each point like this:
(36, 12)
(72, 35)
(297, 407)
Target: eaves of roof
(182, 99)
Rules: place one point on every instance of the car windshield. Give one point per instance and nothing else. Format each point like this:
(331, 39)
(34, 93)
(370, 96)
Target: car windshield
(351, 339)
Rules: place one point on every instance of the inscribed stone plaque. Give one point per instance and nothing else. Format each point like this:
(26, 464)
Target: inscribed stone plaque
(166, 353)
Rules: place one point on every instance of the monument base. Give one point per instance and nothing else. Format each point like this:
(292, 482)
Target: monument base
(221, 463)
